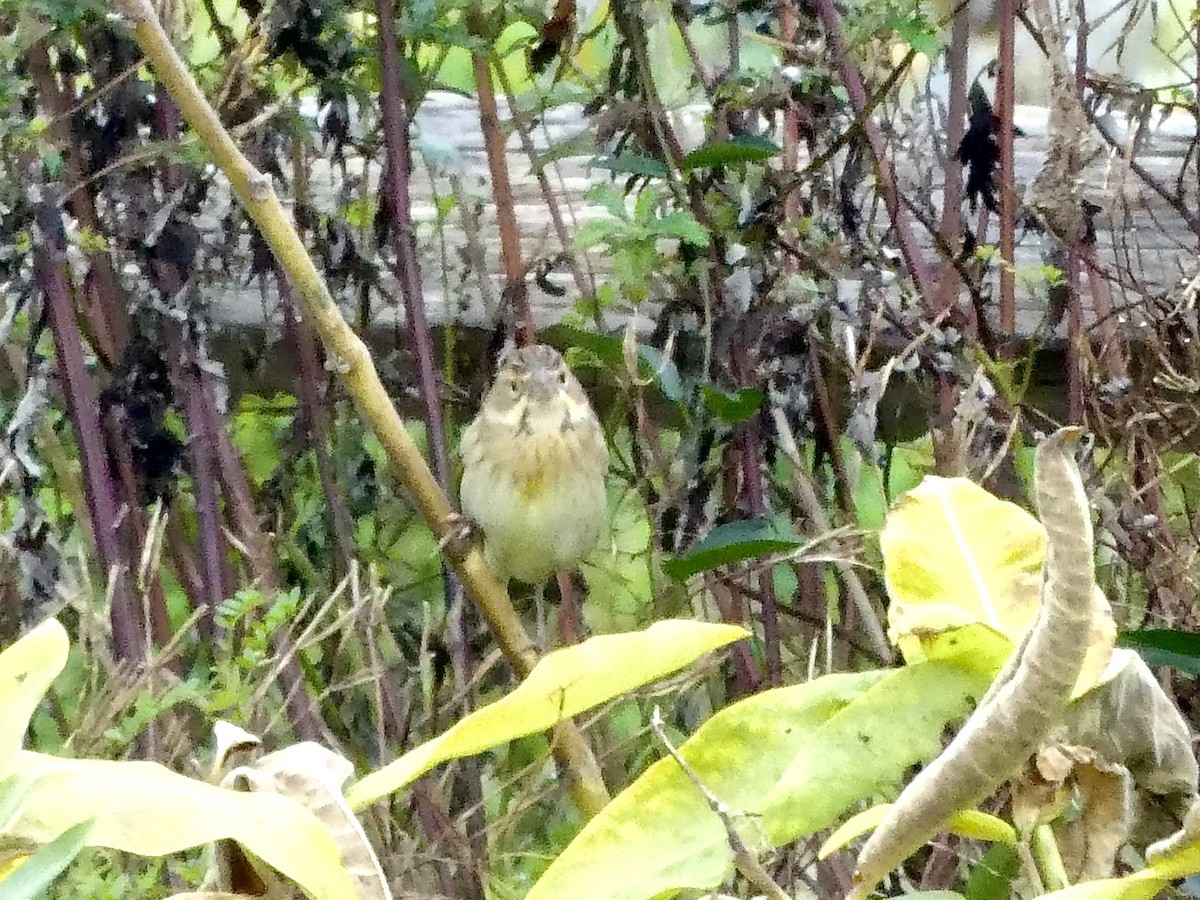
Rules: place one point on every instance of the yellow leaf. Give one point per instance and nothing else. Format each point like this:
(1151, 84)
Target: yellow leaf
(853, 827)
(27, 669)
(970, 823)
(1140, 886)
(146, 809)
(565, 683)
(956, 556)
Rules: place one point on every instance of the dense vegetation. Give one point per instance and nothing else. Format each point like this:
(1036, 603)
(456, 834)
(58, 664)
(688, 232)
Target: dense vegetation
(802, 282)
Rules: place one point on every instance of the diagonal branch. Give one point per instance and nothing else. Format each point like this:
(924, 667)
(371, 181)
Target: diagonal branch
(353, 361)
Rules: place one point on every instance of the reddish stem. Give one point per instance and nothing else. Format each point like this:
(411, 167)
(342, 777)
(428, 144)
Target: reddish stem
(1007, 17)
(910, 247)
(952, 193)
(399, 168)
(307, 382)
(104, 307)
(516, 290)
(789, 25)
(129, 638)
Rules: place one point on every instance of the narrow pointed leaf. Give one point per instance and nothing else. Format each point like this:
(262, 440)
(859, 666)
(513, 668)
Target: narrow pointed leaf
(33, 876)
(732, 543)
(740, 149)
(565, 683)
(631, 164)
(1165, 647)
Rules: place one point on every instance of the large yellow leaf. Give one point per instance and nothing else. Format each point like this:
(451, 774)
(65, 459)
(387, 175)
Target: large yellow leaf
(956, 556)
(145, 808)
(27, 669)
(564, 683)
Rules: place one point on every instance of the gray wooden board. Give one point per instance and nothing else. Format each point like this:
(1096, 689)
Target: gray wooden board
(452, 148)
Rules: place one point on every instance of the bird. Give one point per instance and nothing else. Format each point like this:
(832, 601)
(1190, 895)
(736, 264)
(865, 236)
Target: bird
(567, 21)
(534, 463)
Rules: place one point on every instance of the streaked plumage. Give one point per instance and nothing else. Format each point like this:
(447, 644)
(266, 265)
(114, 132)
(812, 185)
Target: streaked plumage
(534, 462)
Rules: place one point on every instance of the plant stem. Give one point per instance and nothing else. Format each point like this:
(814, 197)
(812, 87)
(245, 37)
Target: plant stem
(910, 248)
(516, 289)
(1007, 17)
(399, 170)
(317, 416)
(103, 304)
(585, 287)
(1049, 860)
(129, 637)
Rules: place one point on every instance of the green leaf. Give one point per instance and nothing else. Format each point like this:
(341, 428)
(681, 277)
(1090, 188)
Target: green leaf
(52, 165)
(565, 683)
(733, 408)
(992, 877)
(787, 761)
(27, 669)
(664, 372)
(597, 231)
(611, 198)
(610, 350)
(659, 833)
(620, 595)
(742, 148)
(866, 749)
(684, 226)
(631, 164)
(33, 876)
(256, 428)
(920, 35)
(732, 543)
(647, 202)
(146, 809)
(1165, 647)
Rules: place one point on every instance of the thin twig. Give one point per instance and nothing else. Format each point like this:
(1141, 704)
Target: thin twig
(743, 858)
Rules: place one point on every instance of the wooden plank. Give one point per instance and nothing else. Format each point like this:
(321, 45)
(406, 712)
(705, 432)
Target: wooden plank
(1135, 220)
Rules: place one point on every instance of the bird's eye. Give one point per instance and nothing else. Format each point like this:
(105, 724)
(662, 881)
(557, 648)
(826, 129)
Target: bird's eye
(562, 376)
(514, 388)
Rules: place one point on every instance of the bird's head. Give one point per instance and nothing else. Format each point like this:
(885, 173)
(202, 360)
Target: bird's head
(535, 391)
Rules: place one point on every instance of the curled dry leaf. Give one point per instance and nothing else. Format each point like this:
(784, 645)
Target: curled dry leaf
(1062, 774)
(230, 739)
(1130, 721)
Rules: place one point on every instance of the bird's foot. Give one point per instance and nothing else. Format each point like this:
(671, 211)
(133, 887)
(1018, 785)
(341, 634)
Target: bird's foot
(459, 536)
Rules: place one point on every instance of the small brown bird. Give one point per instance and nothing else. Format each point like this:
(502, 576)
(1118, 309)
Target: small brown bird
(567, 22)
(534, 463)
(559, 29)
